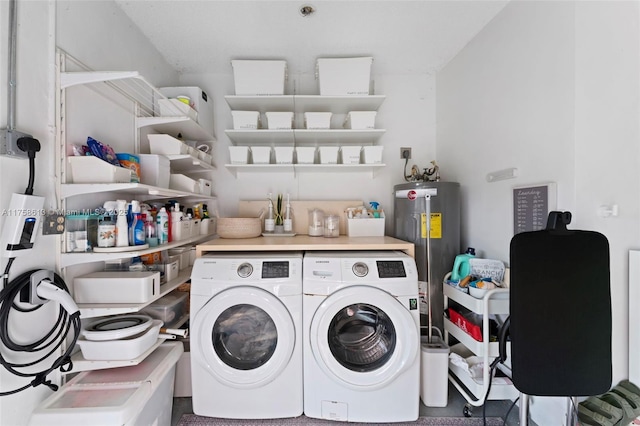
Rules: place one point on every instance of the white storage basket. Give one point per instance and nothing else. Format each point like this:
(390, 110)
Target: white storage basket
(259, 77)
(239, 154)
(90, 169)
(360, 120)
(328, 154)
(305, 154)
(372, 154)
(279, 120)
(166, 145)
(284, 154)
(317, 120)
(351, 154)
(344, 76)
(246, 120)
(261, 154)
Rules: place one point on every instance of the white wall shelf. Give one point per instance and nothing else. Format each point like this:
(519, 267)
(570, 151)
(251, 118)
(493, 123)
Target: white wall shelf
(305, 103)
(305, 136)
(301, 168)
(188, 163)
(139, 190)
(173, 126)
(70, 259)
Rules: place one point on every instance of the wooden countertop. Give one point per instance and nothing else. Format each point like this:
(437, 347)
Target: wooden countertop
(304, 243)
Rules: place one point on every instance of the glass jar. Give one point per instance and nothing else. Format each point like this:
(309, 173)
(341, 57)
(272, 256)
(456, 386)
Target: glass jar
(332, 226)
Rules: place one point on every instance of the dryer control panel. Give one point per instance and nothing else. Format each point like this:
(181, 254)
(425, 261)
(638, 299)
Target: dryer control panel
(391, 269)
(275, 269)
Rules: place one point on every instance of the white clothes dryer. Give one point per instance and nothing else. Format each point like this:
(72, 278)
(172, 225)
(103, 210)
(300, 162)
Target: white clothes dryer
(361, 336)
(246, 350)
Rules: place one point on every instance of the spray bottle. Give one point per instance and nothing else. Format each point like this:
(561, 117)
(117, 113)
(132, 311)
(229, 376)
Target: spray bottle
(288, 222)
(122, 228)
(163, 226)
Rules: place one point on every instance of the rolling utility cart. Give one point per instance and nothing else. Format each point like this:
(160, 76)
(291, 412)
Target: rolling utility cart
(474, 389)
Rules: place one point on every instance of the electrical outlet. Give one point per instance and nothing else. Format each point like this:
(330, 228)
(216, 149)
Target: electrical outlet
(9, 143)
(405, 153)
(53, 224)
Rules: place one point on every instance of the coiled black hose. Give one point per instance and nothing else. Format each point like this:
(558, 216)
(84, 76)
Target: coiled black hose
(50, 343)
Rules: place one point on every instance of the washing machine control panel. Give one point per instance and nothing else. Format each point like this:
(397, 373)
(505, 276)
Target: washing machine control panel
(391, 269)
(244, 270)
(275, 269)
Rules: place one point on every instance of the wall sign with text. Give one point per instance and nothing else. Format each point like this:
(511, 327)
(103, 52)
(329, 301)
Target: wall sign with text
(531, 206)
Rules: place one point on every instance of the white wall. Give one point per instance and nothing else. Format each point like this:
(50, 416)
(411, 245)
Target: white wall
(95, 32)
(552, 89)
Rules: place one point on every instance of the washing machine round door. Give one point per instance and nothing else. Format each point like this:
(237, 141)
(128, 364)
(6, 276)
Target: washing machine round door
(245, 336)
(363, 337)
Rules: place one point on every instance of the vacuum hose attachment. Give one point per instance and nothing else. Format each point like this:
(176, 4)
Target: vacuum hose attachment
(53, 341)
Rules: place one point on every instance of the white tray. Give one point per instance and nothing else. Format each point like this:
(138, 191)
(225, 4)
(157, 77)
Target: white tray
(122, 349)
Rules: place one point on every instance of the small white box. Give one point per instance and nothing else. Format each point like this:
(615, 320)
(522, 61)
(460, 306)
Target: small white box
(246, 120)
(317, 120)
(176, 108)
(180, 182)
(372, 154)
(305, 154)
(137, 394)
(360, 120)
(239, 154)
(168, 271)
(154, 170)
(116, 287)
(373, 227)
(205, 186)
(351, 154)
(90, 169)
(261, 154)
(328, 154)
(284, 154)
(199, 101)
(183, 256)
(166, 145)
(344, 76)
(279, 120)
(259, 77)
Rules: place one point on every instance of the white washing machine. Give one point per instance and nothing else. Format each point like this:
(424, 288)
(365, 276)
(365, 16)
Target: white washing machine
(246, 350)
(361, 336)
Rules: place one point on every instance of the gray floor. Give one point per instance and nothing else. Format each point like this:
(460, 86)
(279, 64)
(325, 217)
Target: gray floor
(454, 408)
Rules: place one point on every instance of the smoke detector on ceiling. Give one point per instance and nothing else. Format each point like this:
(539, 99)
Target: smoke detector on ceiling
(306, 10)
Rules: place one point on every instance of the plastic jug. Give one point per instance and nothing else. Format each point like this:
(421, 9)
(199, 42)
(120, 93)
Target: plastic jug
(461, 264)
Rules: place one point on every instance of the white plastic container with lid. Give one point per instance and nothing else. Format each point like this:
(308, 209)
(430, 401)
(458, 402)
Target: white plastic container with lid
(168, 309)
(134, 395)
(434, 372)
(199, 101)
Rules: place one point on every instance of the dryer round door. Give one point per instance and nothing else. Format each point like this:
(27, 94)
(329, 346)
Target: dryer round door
(245, 337)
(363, 337)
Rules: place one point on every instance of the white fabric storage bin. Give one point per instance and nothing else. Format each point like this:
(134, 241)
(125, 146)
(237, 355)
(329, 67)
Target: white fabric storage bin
(166, 145)
(261, 154)
(200, 102)
(154, 170)
(317, 120)
(279, 120)
(328, 154)
(360, 120)
(246, 120)
(259, 77)
(176, 108)
(135, 395)
(239, 154)
(344, 76)
(284, 154)
(305, 154)
(90, 169)
(180, 182)
(372, 154)
(350, 154)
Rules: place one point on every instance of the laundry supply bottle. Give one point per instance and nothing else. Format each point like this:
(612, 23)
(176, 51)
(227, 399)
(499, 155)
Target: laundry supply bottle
(288, 221)
(122, 228)
(461, 266)
(150, 236)
(270, 222)
(176, 228)
(163, 226)
(138, 230)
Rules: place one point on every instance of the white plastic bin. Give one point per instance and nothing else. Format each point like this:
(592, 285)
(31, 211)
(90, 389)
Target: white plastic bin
(246, 120)
(261, 154)
(373, 227)
(166, 145)
(372, 154)
(350, 154)
(317, 120)
(279, 120)
(134, 395)
(259, 77)
(328, 154)
(344, 76)
(200, 102)
(180, 182)
(434, 372)
(305, 154)
(154, 170)
(284, 154)
(360, 120)
(206, 186)
(92, 169)
(239, 154)
(169, 308)
(176, 108)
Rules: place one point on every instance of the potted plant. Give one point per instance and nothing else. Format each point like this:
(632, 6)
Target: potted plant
(279, 215)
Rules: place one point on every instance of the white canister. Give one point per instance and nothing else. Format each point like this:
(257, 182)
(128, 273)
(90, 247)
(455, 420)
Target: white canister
(107, 233)
(332, 226)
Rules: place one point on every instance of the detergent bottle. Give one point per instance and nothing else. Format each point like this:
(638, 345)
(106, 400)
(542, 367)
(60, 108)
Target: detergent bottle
(461, 266)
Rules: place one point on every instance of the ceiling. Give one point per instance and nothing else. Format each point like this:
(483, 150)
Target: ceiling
(404, 37)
